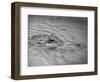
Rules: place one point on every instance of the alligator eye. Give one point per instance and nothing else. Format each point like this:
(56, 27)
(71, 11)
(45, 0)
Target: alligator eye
(51, 41)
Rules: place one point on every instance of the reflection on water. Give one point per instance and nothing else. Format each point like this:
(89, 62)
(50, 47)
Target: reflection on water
(56, 40)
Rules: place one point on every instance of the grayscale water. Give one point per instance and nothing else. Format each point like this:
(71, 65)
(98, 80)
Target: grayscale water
(56, 40)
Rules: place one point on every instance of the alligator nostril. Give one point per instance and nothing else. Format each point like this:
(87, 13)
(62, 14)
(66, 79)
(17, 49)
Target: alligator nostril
(80, 45)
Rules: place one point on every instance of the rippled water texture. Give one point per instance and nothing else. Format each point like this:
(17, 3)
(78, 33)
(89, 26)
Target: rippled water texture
(56, 40)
